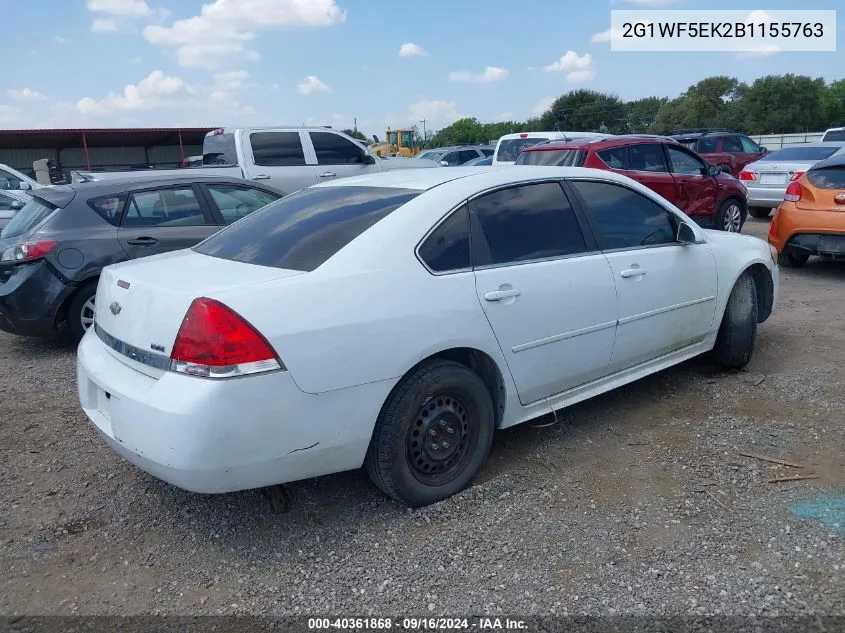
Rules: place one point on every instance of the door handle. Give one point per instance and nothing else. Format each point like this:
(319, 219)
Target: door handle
(632, 272)
(328, 174)
(498, 295)
(143, 241)
(261, 177)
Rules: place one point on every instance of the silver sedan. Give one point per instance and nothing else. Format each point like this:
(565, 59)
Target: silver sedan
(768, 178)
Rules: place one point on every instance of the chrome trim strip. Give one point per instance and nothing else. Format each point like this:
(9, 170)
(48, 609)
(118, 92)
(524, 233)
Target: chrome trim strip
(151, 359)
(677, 306)
(562, 337)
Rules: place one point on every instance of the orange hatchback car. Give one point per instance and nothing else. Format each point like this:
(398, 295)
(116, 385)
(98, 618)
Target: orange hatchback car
(811, 218)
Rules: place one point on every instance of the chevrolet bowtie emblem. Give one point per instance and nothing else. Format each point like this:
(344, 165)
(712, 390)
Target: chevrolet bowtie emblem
(115, 308)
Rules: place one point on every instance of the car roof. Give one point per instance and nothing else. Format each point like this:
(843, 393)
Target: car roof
(426, 179)
(598, 143)
(137, 182)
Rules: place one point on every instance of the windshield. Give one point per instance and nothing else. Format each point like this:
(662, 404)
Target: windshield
(560, 158)
(509, 149)
(834, 135)
(800, 154)
(34, 213)
(305, 229)
(219, 149)
(431, 155)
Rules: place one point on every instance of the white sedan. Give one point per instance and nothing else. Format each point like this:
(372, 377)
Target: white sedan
(397, 320)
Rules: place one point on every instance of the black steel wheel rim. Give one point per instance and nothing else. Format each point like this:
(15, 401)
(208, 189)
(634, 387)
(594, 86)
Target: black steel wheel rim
(440, 438)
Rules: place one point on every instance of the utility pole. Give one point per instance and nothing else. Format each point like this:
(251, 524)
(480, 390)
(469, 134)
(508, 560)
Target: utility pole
(355, 124)
(425, 138)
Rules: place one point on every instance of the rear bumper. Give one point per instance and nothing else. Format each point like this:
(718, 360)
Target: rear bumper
(765, 197)
(214, 436)
(30, 299)
(810, 232)
(823, 244)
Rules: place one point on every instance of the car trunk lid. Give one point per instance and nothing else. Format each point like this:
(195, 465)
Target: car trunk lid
(775, 174)
(140, 305)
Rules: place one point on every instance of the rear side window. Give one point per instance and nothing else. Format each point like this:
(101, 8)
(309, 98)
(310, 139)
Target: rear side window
(108, 207)
(447, 248)
(524, 223)
(34, 213)
(509, 149)
(647, 157)
(615, 157)
(625, 218)
(303, 230)
(556, 157)
(277, 149)
(219, 149)
(828, 177)
(732, 144)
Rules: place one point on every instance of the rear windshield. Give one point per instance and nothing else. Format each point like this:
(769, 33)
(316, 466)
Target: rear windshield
(834, 135)
(800, 154)
(509, 149)
(559, 157)
(34, 213)
(828, 177)
(303, 230)
(219, 149)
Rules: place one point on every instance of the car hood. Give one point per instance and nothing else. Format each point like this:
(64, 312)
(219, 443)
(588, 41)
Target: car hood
(408, 163)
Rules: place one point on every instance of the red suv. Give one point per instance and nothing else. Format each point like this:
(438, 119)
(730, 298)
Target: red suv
(723, 148)
(703, 191)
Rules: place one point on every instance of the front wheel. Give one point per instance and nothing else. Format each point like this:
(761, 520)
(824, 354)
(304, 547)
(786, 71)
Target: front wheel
(759, 212)
(433, 434)
(730, 216)
(738, 331)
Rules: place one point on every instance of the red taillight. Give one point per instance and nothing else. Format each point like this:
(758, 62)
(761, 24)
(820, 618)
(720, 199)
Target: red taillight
(796, 176)
(216, 342)
(750, 176)
(773, 226)
(793, 192)
(28, 251)
(523, 135)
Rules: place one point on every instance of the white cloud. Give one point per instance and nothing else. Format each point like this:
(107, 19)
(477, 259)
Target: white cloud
(217, 36)
(9, 116)
(135, 60)
(311, 84)
(155, 91)
(758, 16)
(409, 49)
(611, 34)
(58, 39)
(434, 111)
(570, 61)
(124, 8)
(490, 74)
(103, 25)
(542, 105)
(232, 80)
(580, 76)
(25, 94)
(761, 51)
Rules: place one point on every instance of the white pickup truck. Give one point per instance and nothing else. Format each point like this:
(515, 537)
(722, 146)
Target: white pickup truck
(288, 158)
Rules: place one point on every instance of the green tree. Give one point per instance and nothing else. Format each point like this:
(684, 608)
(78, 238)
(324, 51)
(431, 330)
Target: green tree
(782, 104)
(833, 103)
(712, 102)
(586, 111)
(642, 113)
(355, 134)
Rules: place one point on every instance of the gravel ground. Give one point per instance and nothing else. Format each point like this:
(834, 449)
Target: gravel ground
(636, 502)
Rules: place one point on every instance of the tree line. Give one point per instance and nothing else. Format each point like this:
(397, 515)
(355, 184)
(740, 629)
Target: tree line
(775, 104)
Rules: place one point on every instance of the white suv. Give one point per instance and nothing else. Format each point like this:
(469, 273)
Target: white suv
(13, 180)
(834, 134)
(510, 145)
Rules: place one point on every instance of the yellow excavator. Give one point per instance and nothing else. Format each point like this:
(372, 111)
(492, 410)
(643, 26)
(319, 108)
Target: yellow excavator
(402, 142)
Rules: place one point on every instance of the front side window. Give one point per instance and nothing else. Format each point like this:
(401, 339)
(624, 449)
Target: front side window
(732, 144)
(646, 157)
(303, 230)
(277, 149)
(333, 149)
(624, 218)
(554, 157)
(749, 146)
(9, 181)
(177, 206)
(236, 202)
(684, 163)
(524, 223)
(447, 248)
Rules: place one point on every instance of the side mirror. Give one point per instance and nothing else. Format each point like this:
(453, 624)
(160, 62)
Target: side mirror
(367, 159)
(17, 205)
(443, 163)
(24, 186)
(763, 150)
(713, 170)
(685, 234)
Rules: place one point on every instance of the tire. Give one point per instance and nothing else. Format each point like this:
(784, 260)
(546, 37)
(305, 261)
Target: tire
(759, 212)
(77, 323)
(438, 400)
(792, 260)
(738, 330)
(731, 216)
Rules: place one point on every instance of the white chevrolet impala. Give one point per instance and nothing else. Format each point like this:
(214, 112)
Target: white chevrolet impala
(397, 320)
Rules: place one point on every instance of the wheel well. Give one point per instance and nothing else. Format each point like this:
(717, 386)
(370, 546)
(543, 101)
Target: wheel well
(483, 365)
(742, 203)
(765, 290)
(61, 313)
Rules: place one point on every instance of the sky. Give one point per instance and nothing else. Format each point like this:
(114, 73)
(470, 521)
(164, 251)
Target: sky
(162, 63)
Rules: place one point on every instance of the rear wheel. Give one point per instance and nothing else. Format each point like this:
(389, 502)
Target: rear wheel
(80, 312)
(730, 216)
(433, 434)
(759, 212)
(793, 260)
(738, 331)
